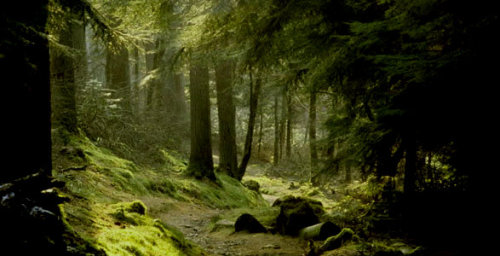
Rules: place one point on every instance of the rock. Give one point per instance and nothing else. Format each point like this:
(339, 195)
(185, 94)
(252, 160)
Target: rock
(271, 246)
(336, 241)
(292, 186)
(319, 231)
(137, 207)
(252, 185)
(249, 223)
(220, 224)
(297, 213)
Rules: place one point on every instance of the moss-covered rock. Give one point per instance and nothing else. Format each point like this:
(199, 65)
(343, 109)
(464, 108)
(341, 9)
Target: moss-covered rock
(137, 207)
(297, 213)
(252, 185)
(248, 223)
(336, 241)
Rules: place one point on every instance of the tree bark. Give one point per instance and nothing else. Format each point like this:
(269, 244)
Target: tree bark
(261, 124)
(284, 108)
(228, 162)
(118, 76)
(410, 163)
(200, 158)
(312, 131)
(289, 135)
(276, 156)
(247, 152)
(62, 68)
(26, 102)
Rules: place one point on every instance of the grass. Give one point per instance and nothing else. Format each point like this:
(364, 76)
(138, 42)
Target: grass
(105, 211)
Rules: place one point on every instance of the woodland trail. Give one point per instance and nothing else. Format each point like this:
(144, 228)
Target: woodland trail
(194, 222)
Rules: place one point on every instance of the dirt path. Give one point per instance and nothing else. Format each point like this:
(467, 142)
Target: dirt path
(193, 221)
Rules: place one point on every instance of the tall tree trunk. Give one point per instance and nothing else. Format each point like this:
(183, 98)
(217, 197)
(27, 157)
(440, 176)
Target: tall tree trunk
(26, 98)
(200, 158)
(276, 156)
(312, 131)
(284, 108)
(289, 135)
(410, 163)
(261, 125)
(154, 59)
(228, 162)
(62, 68)
(80, 44)
(178, 105)
(247, 152)
(348, 173)
(118, 76)
(136, 80)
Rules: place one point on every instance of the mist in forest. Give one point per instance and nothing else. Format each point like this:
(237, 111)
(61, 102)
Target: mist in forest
(236, 127)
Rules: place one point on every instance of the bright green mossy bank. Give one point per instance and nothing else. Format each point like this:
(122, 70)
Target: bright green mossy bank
(104, 208)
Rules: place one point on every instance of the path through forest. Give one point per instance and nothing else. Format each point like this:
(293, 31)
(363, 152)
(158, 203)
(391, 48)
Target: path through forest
(195, 222)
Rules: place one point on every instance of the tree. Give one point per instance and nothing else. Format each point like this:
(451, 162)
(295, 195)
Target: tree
(24, 58)
(118, 75)
(68, 66)
(226, 111)
(312, 130)
(200, 158)
(253, 104)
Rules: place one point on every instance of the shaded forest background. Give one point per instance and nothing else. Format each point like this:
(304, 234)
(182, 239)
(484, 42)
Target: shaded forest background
(324, 91)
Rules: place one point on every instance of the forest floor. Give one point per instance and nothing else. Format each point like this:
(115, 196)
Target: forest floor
(196, 223)
(184, 216)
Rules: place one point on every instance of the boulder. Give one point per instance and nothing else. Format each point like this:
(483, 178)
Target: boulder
(336, 241)
(297, 213)
(320, 231)
(252, 185)
(248, 223)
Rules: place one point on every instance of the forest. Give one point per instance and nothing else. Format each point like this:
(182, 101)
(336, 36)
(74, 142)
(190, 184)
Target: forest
(248, 127)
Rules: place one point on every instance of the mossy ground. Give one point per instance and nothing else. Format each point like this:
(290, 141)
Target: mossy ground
(104, 206)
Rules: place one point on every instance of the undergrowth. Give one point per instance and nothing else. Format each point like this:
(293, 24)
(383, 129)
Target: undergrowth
(103, 191)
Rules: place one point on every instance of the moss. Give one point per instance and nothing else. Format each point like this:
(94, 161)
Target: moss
(137, 207)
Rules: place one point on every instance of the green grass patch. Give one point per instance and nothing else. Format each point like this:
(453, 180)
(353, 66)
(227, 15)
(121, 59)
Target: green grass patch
(104, 210)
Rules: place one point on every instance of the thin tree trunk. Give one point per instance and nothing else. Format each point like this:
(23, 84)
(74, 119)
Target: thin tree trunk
(200, 158)
(289, 135)
(254, 99)
(312, 131)
(410, 163)
(284, 109)
(276, 155)
(118, 76)
(261, 124)
(228, 162)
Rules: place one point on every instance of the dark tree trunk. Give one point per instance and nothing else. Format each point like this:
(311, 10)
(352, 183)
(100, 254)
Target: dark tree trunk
(118, 76)
(284, 108)
(178, 105)
(228, 162)
(80, 44)
(200, 159)
(312, 131)
(289, 135)
(261, 134)
(24, 64)
(62, 68)
(410, 163)
(247, 152)
(276, 156)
